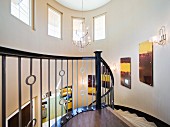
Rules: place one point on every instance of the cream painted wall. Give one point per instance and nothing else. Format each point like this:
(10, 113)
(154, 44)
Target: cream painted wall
(16, 34)
(38, 40)
(127, 24)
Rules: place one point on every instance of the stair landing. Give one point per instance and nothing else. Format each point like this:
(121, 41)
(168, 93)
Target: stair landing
(98, 118)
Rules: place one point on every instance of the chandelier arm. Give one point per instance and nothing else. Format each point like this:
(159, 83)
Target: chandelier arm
(81, 44)
(85, 35)
(87, 44)
(82, 35)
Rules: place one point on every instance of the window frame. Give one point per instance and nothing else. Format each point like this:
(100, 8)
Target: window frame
(61, 22)
(73, 24)
(94, 26)
(31, 13)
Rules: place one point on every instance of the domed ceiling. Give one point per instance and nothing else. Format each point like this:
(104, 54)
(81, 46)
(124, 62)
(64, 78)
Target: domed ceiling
(87, 4)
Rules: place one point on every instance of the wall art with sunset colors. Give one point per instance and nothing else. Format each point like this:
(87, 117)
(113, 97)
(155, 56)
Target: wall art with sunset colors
(125, 72)
(146, 62)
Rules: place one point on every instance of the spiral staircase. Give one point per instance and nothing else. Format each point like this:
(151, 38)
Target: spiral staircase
(97, 95)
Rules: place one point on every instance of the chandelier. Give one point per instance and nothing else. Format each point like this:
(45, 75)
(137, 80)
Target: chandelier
(82, 34)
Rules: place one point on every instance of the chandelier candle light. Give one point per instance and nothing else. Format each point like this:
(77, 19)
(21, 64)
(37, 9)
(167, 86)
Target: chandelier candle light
(82, 34)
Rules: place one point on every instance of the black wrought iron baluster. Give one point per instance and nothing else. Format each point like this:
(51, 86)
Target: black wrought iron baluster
(87, 84)
(49, 93)
(31, 103)
(31, 83)
(82, 83)
(112, 94)
(92, 83)
(19, 92)
(109, 88)
(62, 74)
(72, 86)
(55, 93)
(103, 78)
(67, 117)
(3, 91)
(77, 86)
(105, 84)
(41, 92)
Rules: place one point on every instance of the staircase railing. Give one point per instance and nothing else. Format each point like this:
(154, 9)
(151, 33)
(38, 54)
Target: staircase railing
(69, 84)
(111, 86)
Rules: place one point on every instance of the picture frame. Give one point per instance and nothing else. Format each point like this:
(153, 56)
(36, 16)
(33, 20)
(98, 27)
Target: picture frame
(125, 72)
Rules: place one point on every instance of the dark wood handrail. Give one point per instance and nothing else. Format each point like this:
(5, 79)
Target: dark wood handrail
(18, 53)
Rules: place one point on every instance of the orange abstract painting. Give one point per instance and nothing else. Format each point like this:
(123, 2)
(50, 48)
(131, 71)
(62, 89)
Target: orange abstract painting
(146, 62)
(125, 67)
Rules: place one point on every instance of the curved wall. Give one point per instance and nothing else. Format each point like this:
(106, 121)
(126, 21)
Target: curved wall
(14, 33)
(127, 24)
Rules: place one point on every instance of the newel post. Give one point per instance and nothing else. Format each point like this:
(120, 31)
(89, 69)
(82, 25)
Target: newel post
(98, 78)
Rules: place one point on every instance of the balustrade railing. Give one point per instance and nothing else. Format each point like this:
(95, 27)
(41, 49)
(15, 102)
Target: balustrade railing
(63, 87)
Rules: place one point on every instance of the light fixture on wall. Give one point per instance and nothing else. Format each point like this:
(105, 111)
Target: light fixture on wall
(161, 38)
(162, 35)
(83, 38)
(114, 67)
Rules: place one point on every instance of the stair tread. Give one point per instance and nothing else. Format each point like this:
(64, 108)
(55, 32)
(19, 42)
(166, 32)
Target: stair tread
(130, 115)
(141, 123)
(136, 120)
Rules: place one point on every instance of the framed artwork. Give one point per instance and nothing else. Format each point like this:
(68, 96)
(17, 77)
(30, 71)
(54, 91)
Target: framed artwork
(146, 62)
(91, 85)
(125, 72)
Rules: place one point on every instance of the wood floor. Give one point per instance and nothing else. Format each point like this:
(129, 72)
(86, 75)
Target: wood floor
(98, 118)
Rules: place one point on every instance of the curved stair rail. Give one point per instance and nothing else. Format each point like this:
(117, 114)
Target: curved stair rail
(104, 89)
(111, 87)
(107, 71)
(71, 85)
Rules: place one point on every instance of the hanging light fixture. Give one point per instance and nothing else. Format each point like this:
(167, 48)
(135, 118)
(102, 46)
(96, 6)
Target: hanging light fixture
(82, 34)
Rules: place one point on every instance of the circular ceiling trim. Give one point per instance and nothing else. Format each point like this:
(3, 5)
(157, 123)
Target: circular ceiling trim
(87, 4)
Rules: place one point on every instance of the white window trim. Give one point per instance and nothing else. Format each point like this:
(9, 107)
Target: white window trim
(33, 8)
(94, 26)
(72, 23)
(31, 14)
(61, 29)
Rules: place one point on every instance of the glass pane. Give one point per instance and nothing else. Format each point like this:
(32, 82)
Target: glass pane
(54, 23)
(21, 10)
(99, 27)
(77, 28)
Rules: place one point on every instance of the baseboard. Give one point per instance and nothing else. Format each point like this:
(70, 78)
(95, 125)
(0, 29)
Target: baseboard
(148, 117)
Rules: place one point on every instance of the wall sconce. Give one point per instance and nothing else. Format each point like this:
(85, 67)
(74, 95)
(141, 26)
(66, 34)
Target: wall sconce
(162, 35)
(161, 38)
(114, 68)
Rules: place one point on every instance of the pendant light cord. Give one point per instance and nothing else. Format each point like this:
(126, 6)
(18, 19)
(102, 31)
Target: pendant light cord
(82, 9)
